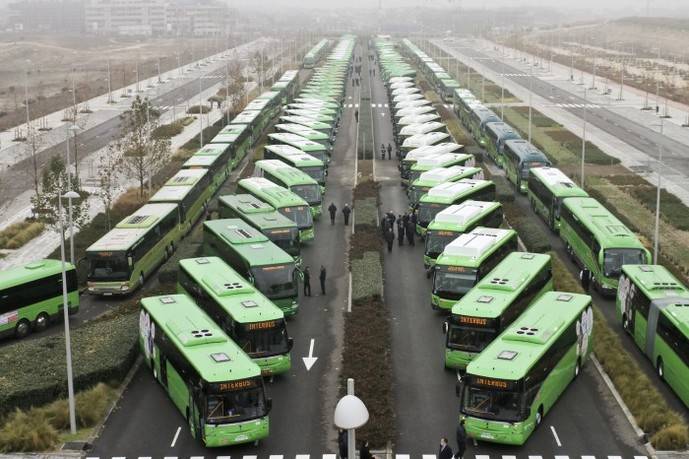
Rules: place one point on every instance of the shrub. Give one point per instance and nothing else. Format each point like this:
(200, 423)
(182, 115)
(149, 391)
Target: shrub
(367, 275)
(626, 180)
(572, 142)
(365, 190)
(367, 240)
(671, 438)
(366, 212)
(531, 231)
(18, 234)
(186, 121)
(167, 131)
(23, 432)
(672, 209)
(196, 109)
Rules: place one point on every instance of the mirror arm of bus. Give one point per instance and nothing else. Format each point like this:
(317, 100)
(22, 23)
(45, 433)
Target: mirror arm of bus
(446, 327)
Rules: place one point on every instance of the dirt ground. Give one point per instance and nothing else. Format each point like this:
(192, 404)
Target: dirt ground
(53, 61)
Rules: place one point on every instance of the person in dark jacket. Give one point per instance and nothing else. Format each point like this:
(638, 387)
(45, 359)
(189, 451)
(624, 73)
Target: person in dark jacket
(364, 452)
(405, 219)
(307, 281)
(445, 452)
(400, 231)
(389, 151)
(346, 210)
(332, 209)
(390, 238)
(413, 218)
(411, 229)
(342, 443)
(321, 277)
(461, 440)
(391, 217)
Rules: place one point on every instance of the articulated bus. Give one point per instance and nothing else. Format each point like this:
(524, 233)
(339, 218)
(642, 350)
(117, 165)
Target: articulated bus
(307, 133)
(497, 134)
(518, 378)
(314, 149)
(653, 307)
(215, 158)
(216, 387)
(284, 201)
(315, 54)
(421, 140)
(124, 257)
(238, 139)
(430, 162)
(496, 301)
(313, 167)
(456, 220)
(190, 190)
(294, 180)
(466, 260)
(279, 229)
(410, 158)
(520, 157)
(478, 118)
(599, 242)
(438, 176)
(245, 314)
(31, 296)
(548, 188)
(446, 88)
(254, 257)
(442, 196)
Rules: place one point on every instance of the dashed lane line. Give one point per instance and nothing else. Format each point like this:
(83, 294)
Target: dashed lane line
(397, 456)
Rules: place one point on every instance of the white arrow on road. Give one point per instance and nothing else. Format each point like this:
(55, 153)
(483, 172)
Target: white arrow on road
(310, 360)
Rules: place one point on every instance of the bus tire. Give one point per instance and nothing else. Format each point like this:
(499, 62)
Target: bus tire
(660, 369)
(42, 321)
(626, 323)
(22, 329)
(141, 280)
(577, 368)
(539, 416)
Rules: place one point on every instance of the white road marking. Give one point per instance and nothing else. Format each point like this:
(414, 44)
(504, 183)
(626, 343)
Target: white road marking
(196, 457)
(302, 456)
(588, 457)
(430, 456)
(535, 457)
(640, 457)
(274, 456)
(482, 456)
(386, 105)
(561, 457)
(509, 457)
(330, 456)
(557, 439)
(174, 440)
(401, 456)
(170, 457)
(614, 457)
(145, 457)
(356, 105)
(382, 114)
(223, 457)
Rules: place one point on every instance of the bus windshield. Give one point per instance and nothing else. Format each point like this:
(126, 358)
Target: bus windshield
(492, 404)
(414, 175)
(415, 193)
(437, 240)
(452, 284)
(301, 215)
(315, 173)
(287, 239)
(470, 339)
(428, 211)
(262, 339)
(236, 406)
(113, 267)
(613, 259)
(309, 193)
(276, 281)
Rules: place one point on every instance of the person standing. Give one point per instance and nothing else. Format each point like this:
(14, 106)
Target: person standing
(342, 443)
(364, 451)
(332, 209)
(356, 115)
(307, 282)
(321, 277)
(345, 213)
(405, 218)
(391, 216)
(410, 229)
(445, 452)
(390, 238)
(461, 440)
(400, 231)
(389, 151)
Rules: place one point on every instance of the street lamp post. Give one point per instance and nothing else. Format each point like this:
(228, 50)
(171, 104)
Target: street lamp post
(656, 229)
(73, 129)
(109, 84)
(200, 115)
(350, 414)
(583, 142)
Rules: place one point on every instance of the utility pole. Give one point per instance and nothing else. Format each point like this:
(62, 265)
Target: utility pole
(227, 90)
(593, 80)
(656, 229)
(502, 91)
(621, 81)
(200, 116)
(110, 101)
(583, 142)
(160, 80)
(530, 104)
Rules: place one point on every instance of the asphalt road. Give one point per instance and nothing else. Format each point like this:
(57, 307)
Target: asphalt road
(145, 422)
(585, 421)
(639, 136)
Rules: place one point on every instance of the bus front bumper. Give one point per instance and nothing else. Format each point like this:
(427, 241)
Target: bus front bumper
(109, 288)
(288, 306)
(428, 262)
(274, 365)
(235, 434)
(307, 235)
(420, 230)
(441, 303)
(458, 360)
(507, 433)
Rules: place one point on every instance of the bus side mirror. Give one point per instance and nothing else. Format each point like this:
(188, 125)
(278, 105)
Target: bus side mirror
(459, 388)
(290, 343)
(446, 327)
(130, 261)
(269, 405)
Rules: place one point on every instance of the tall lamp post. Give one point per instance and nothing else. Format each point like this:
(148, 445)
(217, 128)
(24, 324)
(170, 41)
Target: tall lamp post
(350, 414)
(73, 130)
(65, 309)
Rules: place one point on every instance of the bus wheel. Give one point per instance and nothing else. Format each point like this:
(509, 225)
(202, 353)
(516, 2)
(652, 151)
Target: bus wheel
(22, 329)
(141, 280)
(577, 368)
(660, 369)
(539, 415)
(41, 322)
(625, 323)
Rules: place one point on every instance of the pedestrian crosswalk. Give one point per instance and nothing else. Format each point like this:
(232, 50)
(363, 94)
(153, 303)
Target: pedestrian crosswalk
(382, 455)
(351, 105)
(577, 105)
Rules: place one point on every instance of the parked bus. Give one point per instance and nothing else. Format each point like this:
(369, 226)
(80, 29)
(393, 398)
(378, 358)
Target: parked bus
(437, 176)
(417, 129)
(256, 259)
(464, 102)
(516, 380)
(446, 87)
(442, 196)
(245, 314)
(420, 140)
(653, 307)
(430, 162)
(456, 220)
(548, 188)
(315, 54)
(599, 242)
(284, 201)
(497, 300)
(237, 139)
(410, 158)
(294, 180)
(279, 229)
(212, 382)
(417, 119)
(478, 118)
(497, 134)
(311, 166)
(216, 159)
(314, 149)
(306, 132)
(31, 296)
(190, 190)
(326, 128)
(313, 114)
(520, 157)
(413, 111)
(125, 256)
(466, 260)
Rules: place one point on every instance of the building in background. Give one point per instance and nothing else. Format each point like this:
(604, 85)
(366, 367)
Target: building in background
(45, 16)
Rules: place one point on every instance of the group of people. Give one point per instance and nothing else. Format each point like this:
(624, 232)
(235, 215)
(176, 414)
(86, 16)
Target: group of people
(383, 149)
(346, 212)
(406, 226)
(306, 280)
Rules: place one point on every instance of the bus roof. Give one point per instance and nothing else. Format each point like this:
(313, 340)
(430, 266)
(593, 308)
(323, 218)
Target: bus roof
(203, 344)
(273, 194)
(127, 232)
(246, 117)
(406, 111)
(497, 289)
(485, 114)
(419, 140)
(306, 121)
(247, 203)
(502, 130)
(422, 128)
(439, 175)
(250, 243)
(512, 354)
(231, 291)
(211, 149)
(418, 119)
(294, 154)
(557, 182)
(526, 151)
(439, 161)
(179, 185)
(608, 230)
(458, 217)
(297, 141)
(469, 249)
(31, 271)
(290, 175)
(450, 191)
(304, 131)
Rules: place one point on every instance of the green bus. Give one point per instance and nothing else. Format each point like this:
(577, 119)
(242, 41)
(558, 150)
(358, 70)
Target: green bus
(420, 140)
(413, 111)
(516, 380)
(446, 87)
(212, 382)
(279, 229)
(294, 180)
(319, 108)
(244, 313)
(426, 163)
(410, 158)
(466, 260)
(315, 54)
(442, 196)
(191, 190)
(547, 189)
(456, 220)
(216, 159)
(497, 133)
(437, 176)
(415, 129)
(464, 102)
(416, 119)
(496, 301)
(313, 114)
(311, 166)
(306, 132)
(237, 140)
(329, 129)
(125, 256)
(653, 307)
(314, 149)
(519, 158)
(412, 103)
(599, 242)
(478, 118)
(31, 296)
(254, 257)
(284, 201)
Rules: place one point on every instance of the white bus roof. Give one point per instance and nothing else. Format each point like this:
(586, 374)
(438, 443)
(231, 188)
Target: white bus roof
(449, 189)
(420, 140)
(418, 119)
(405, 91)
(401, 84)
(422, 128)
(408, 111)
(406, 97)
(299, 129)
(460, 214)
(293, 139)
(400, 79)
(553, 176)
(434, 161)
(475, 243)
(412, 103)
(443, 174)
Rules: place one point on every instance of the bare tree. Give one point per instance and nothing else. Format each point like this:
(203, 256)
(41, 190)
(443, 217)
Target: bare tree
(34, 143)
(53, 185)
(236, 88)
(109, 175)
(259, 64)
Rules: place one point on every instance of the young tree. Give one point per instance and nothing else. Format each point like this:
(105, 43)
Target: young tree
(237, 91)
(34, 142)
(142, 152)
(54, 181)
(109, 175)
(259, 64)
